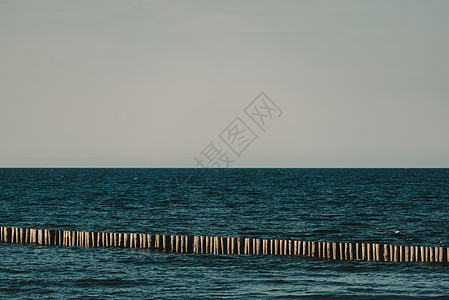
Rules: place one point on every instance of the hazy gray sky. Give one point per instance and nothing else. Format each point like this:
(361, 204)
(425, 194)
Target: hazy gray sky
(152, 83)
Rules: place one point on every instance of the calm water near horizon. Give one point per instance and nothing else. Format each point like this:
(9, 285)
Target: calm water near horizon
(400, 206)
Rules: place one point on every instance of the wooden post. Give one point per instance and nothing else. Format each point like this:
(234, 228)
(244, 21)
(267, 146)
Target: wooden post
(127, 240)
(407, 253)
(207, 244)
(401, 253)
(386, 253)
(202, 249)
(257, 246)
(196, 243)
(233, 245)
(138, 242)
(276, 247)
(396, 253)
(17, 241)
(351, 251)
(329, 250)
(108, 239)
(120, 240)
(346, 251)
(80, 239)
(334, 251)
(73, 238)
(40, 236)
(391, 252)
(180, 243)
(55, 237)
(358, 255)
(93, 238)
(240, 245)
(183, 245)
(417, 253)
(441, 253)
(21, 235)
(412, 253)
(431, 254)
(324, 248)
(216, 247)
(133, 238)
(320, 250)
(363, 251)
(229, 245)
(32, 235)
(304, 248)
(65, 237)
(69, 238)
(165, 243)
(370, 252)
(247, 246)
(103, 239)
(313, 254)
(28, 235)
(115, 238)
(13, 235)
(265, 247)
(341, 247)
(211, 249)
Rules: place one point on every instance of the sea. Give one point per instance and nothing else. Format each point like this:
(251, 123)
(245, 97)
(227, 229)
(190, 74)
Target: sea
(398, 206)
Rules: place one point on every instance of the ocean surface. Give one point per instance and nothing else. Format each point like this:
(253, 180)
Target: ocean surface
(400, 206)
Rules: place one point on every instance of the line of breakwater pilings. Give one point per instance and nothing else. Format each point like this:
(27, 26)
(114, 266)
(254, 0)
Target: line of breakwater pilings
(225, 245)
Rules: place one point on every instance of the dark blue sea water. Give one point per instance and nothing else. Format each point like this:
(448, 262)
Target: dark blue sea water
(400, 206)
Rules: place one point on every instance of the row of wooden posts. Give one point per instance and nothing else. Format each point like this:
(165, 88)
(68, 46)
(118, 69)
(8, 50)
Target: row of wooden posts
(225, 245)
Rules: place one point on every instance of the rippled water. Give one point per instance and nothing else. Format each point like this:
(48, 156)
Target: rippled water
(401, 206)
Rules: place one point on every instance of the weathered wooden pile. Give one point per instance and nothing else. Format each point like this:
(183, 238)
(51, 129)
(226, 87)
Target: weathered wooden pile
(225, 245)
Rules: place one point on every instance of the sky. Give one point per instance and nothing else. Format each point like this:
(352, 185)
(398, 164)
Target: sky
(107, 83)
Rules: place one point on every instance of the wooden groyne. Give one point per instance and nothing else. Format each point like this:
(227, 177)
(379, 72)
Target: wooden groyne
(225, 245)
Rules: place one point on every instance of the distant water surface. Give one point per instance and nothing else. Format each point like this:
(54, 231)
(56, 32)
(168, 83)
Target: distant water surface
(401, 206)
